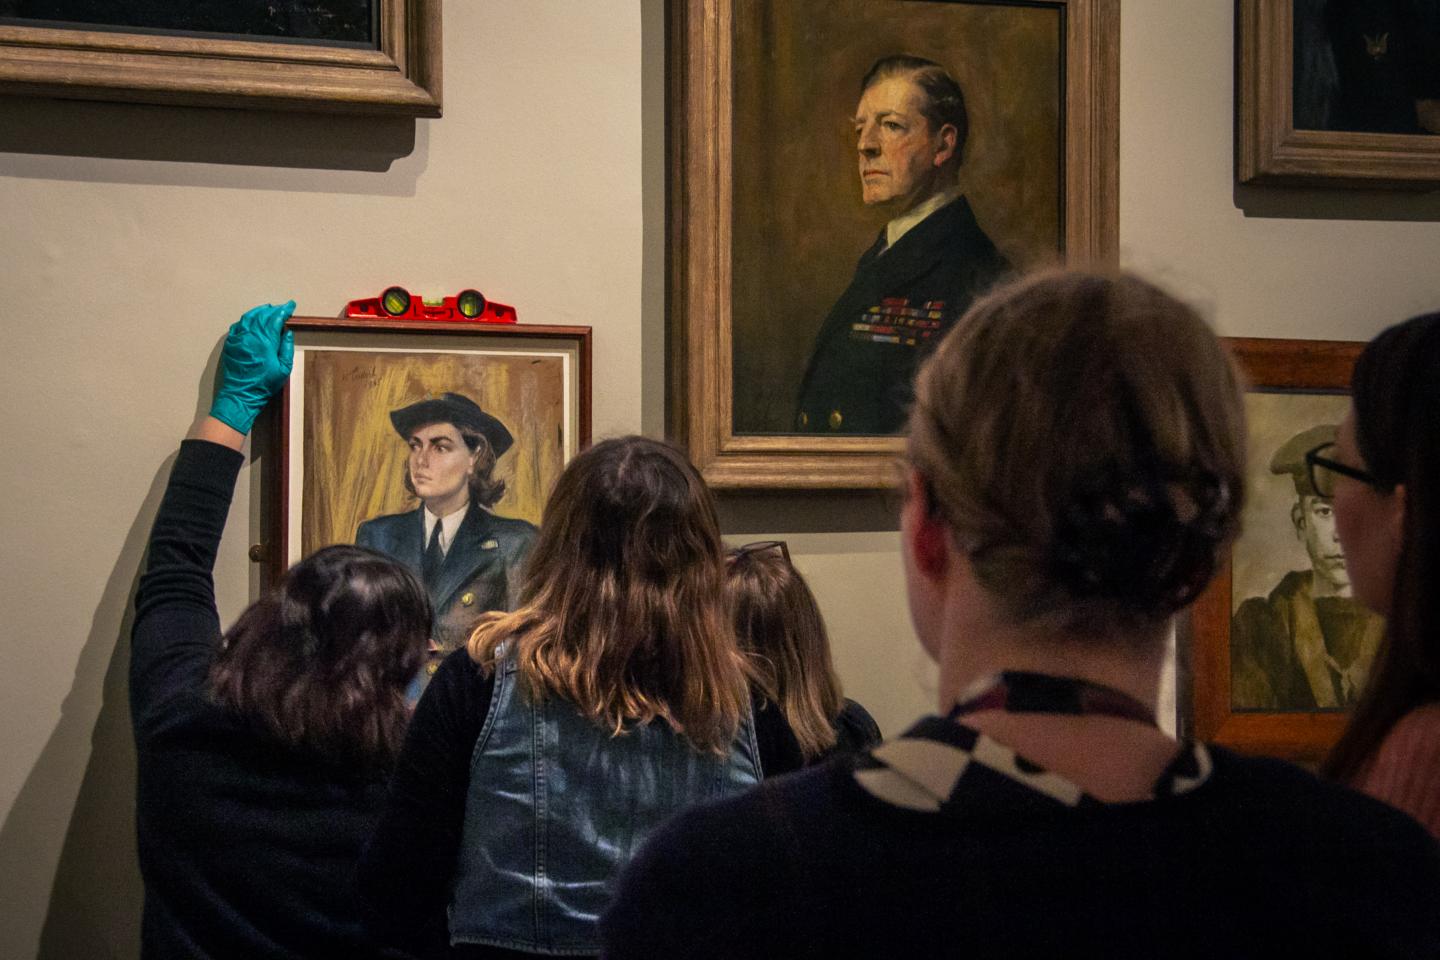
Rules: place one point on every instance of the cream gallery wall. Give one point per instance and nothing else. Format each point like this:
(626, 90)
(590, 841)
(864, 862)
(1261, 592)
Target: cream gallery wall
(133, 235)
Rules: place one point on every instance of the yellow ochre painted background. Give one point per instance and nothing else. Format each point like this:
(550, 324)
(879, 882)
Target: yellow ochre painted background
(355, 461)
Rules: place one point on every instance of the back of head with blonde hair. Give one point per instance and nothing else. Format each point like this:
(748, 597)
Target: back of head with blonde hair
(779, 624)
(622, 612)
(1084, 438)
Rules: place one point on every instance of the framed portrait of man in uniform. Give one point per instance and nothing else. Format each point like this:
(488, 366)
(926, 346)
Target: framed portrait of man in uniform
(847, 177)
(433, 443)
(1279, 648)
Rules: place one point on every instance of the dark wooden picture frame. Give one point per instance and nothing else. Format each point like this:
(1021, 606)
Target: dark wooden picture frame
(1298, 366)
(701, 384)
(280, 547)
(1270, 150)
(402, 77)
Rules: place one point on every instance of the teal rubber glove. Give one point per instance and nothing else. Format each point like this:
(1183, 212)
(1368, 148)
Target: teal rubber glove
(254, 364)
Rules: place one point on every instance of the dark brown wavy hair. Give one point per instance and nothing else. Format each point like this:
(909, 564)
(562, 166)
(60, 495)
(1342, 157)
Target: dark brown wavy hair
(779, 625)
(1396, 395)
(322, 662)
(622, 611)
(485, 489)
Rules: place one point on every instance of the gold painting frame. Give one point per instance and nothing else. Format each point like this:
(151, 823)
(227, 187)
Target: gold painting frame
(701, 387)
(401, 78)
(1270, 150)
(418, 344)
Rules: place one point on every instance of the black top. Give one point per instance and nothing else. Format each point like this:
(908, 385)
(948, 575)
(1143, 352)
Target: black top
(247, 847)
(945, 843)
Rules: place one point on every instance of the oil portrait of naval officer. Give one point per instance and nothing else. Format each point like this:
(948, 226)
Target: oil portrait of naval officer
(468, 557)
(1307, 645)
(929, 262)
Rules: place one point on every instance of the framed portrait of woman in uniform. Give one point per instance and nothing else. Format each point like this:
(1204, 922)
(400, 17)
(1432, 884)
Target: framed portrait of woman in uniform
(847, 177)
(434, 443)
(1277, 647)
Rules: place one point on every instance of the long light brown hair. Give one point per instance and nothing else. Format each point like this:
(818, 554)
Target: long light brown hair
(622, 611)
(779, 625)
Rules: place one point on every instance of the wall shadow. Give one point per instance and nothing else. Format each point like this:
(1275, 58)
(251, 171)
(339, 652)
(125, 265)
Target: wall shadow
(94, 896)
(209, 146)
(871, 511)
(1339, 203)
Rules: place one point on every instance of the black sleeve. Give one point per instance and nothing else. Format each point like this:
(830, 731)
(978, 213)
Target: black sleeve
(176, 624)
(407, 869)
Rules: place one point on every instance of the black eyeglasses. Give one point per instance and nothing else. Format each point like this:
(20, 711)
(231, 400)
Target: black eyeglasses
(1323, 470)
(761, 547)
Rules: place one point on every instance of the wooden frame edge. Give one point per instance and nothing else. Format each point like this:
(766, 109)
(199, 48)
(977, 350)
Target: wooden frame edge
(1270, 151)
(402, 78)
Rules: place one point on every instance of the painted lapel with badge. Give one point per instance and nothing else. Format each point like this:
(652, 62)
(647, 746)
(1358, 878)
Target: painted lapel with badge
(475, 548)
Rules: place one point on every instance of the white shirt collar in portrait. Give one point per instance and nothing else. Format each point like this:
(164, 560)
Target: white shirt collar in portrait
(908, 220)
(448, 526)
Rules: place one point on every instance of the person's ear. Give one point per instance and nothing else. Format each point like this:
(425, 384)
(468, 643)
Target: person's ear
(928, 538)
(1297, 517)
(947, 139)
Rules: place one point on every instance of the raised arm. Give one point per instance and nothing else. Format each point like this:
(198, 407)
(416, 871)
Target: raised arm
(176, 623)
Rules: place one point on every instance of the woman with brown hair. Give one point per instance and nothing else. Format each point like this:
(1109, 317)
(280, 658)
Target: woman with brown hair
(263, 754)
(801, 716)
(1383, 472)
(1076, 460)
(541, 756)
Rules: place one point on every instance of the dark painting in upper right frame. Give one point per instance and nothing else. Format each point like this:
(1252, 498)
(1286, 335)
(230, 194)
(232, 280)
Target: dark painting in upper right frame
(1342, 93)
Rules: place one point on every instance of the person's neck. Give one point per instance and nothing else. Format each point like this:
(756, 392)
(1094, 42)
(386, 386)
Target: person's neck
(451, 504)
(917, 210)
(1111, 758)
(1322, 586)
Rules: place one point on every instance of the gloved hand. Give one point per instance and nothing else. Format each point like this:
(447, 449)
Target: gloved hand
(254, 364)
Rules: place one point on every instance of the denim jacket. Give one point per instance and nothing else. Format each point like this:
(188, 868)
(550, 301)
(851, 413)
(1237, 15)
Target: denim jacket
(556, 806)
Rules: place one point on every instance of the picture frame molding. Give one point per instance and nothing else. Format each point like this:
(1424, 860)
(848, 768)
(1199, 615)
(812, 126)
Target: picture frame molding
(273, 551)
(699, 269)
(1270, 151)
(1268, 364)
(402, 77)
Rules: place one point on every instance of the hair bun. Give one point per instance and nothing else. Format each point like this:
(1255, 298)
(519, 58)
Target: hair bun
(1148, 544)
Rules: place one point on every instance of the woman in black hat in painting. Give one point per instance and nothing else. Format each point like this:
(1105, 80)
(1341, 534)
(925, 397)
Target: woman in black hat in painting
(468, 558)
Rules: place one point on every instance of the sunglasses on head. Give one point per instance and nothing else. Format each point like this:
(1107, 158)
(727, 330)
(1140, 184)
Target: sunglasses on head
(760, 548)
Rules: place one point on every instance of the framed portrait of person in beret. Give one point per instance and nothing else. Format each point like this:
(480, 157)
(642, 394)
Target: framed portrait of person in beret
(1278, 647)
(433, 443)
(847, 177)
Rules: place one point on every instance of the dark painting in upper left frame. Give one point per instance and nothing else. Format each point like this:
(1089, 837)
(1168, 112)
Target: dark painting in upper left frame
(326, 56)
(339, 22)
